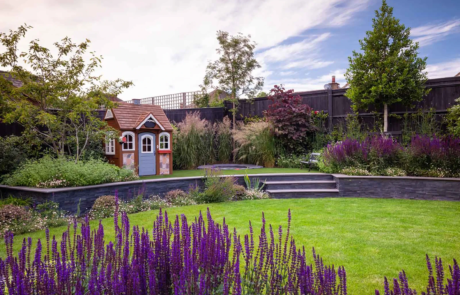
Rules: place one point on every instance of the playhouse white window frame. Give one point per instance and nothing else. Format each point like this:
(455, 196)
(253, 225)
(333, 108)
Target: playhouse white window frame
(133, 137)
(110, 144)
(167, 136)
(151, 144)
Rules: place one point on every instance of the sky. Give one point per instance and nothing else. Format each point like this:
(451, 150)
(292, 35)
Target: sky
(164, 46)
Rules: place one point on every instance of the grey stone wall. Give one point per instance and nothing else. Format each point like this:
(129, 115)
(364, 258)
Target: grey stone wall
(422, 188)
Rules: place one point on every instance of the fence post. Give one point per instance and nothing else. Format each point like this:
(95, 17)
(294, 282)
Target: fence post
(184, 99)
(329, 109)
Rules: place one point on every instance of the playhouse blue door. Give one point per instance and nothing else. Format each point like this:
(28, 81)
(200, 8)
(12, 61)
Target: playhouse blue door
(147, 163)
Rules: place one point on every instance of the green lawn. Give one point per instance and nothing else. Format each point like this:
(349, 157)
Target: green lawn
(372, 238)
(188, 173)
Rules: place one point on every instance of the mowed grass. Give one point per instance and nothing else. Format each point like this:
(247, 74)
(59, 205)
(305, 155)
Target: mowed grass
(189, 173)
(372, 238)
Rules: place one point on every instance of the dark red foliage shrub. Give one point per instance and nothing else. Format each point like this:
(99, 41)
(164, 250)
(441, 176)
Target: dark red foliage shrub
(292, 118)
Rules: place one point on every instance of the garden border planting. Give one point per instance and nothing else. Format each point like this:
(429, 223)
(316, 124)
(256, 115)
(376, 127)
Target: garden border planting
(424, 188)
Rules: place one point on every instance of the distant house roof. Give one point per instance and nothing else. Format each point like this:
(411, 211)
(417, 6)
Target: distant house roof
(218, 94)
(115, 99)
(129, 116)
(458, 75)
(9, 77)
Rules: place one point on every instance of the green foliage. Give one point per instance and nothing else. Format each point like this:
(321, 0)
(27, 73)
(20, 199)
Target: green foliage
(217, 188)
(193, 142)
(233, 70)
(355, 171)
(262, 94)
(10, 200)
(103, 207)
(420, 123)
(388, 70)
(256, 143)
(62, 172)
(290, 161)
(178, 197)
(224, 141)
(453, 119)
(14, 150)
(320, 138)
(59, 94)
(50, 213)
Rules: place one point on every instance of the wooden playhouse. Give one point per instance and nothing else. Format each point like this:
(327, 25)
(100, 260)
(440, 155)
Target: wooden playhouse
(144, 139)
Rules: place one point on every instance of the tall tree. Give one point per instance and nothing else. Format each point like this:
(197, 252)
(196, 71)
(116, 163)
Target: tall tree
(57, 97)
(389, 69)
(232, 72)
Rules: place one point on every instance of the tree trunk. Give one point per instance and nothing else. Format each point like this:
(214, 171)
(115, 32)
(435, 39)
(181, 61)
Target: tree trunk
(233, 128)
(385, 118)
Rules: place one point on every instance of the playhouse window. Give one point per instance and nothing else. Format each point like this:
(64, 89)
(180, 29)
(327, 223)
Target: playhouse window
(109, 145)
(147, 144)
(164, 141)
(129, 144)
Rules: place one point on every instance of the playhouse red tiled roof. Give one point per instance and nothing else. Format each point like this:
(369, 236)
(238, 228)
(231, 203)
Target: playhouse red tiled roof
(129, 116)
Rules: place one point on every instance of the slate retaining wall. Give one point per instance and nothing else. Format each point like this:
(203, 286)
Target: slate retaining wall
(422, 188)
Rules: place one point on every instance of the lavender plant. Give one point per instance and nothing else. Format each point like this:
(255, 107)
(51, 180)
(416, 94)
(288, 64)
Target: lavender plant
(176, 257)
(435, 285)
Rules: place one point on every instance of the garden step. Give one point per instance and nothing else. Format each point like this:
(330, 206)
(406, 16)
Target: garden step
(303, 193)
(294, 177)
(300, 184)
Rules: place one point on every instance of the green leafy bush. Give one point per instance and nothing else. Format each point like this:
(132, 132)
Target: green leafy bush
(62, 172)
(141, 204)
(217, 188)
(14, 201)
(355, 171)
(50, 213)
(178, 197)
(103, 207)
(14, 150)
(453, 119)
(290, 161)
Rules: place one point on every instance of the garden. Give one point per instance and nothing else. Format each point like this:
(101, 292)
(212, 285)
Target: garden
(226, 234)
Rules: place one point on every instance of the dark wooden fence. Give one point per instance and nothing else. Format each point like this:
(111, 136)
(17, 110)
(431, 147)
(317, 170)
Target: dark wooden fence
(442, 96)
(211, 114)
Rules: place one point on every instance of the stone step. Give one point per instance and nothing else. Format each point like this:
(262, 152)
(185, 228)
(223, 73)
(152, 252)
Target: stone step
(300, 184)
(293, 177)
(303, 193)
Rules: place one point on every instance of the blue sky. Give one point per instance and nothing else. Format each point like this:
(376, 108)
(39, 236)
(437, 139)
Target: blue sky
(164, 46)
(436, 25)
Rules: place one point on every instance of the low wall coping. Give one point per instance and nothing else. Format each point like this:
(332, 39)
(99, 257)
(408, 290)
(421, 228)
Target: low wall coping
(343, 176)
(73, 188)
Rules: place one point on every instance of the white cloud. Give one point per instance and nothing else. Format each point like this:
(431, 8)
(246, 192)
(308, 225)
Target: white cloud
(287, 73)
(444, 69)
(429, 34)
(308, 63)
(307, 84)
(164, 46)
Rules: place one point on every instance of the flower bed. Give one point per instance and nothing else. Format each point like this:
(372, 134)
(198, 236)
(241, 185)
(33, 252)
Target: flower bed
(424, 156)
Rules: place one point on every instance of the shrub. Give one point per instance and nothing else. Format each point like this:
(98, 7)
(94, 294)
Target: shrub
(217, 188)
(193, 142)
(62, 172)
(14, 201)
(179, 198)
(141, 204)
(290, 161)
(200, 257)
(355, 171)
(14, 151)
(253, 194)
(256, 143)
(19, 220)
(103, 207)
(292, 119)
(432, 153)
(348, 153)
(391, 171)
(453, 119)
(50, 213)
(383, 152)
(224, 140)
